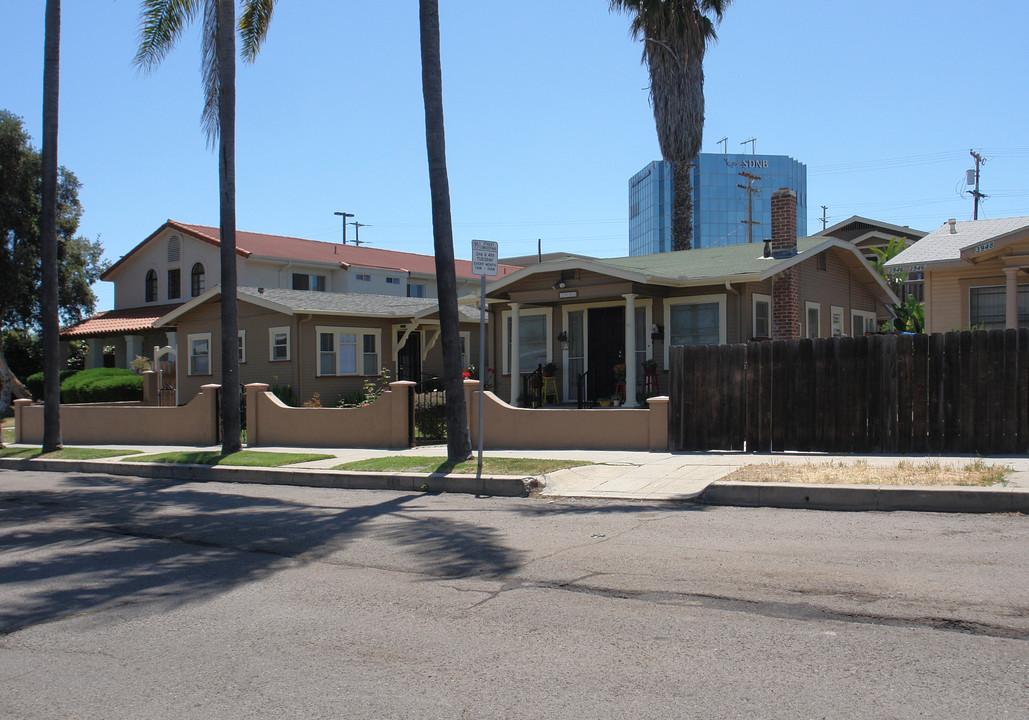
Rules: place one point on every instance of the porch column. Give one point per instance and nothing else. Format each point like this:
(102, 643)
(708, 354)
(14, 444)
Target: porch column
(95, 355)
(133, 347)
(630, 350)
(1011, 298)
(516, 371)
(172, 339)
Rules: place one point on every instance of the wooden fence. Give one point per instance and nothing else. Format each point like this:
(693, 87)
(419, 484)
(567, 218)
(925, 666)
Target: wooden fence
(958, 392)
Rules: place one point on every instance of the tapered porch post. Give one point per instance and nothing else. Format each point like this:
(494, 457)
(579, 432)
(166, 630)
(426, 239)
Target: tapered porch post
(516, 371)
(1011, 298)
(630, 350)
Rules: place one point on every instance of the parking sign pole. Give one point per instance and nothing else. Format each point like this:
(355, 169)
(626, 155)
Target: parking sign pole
(485, 259)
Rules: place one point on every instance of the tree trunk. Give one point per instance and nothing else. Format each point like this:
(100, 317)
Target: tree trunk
(459, 445)
(226, 41)
(48, 231)
(682, 207)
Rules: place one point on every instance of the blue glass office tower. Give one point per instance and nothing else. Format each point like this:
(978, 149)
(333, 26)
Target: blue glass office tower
(720, 206)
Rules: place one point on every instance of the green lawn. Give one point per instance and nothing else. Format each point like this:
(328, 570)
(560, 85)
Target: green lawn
(68, 453)
(490, 465)
(246, 458)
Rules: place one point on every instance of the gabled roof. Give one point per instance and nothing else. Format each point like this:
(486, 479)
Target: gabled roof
(292, 302)
(118, 322)
(706, 266)
(856, 228)
(943, 246)
(258, 245)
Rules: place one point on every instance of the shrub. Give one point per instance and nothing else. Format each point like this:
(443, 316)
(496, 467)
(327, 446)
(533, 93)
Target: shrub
(102, 385)
(23, 352)
(34, 382)
(283, 393)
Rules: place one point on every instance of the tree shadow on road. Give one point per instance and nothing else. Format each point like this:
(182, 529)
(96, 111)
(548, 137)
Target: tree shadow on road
(96, 542)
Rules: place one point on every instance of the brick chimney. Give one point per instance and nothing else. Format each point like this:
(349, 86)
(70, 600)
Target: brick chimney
(786, 285)
(784, 223)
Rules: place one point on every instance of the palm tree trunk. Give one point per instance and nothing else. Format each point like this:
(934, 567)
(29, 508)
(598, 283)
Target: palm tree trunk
(48, 231)
(231, 441)
(459, 445)
(682, 206)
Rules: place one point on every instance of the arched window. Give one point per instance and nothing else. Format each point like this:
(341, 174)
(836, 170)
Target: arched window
(151, 286)
(196, 280)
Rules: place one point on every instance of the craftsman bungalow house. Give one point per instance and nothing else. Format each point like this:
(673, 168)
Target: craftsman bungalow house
(975, 274)
(179, 263)
(589, 315)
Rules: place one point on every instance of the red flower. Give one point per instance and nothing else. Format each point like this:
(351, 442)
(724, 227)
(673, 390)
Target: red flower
(466, 374)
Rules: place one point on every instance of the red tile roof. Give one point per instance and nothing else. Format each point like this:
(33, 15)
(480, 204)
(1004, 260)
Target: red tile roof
(280, 246)
(117, 322)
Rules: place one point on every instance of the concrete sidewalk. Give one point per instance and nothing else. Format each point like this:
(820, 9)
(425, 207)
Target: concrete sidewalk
(615, 475)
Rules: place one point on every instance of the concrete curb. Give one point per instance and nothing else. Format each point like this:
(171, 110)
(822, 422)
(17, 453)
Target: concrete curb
(867, 497)
(498, 485)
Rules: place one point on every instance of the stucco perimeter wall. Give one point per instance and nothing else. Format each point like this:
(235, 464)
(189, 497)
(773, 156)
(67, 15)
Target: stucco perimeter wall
(386, 423)
(507, 427)
(86, 424)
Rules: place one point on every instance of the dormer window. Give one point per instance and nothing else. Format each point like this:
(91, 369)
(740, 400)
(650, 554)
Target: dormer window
(150, 286)
(196, 280)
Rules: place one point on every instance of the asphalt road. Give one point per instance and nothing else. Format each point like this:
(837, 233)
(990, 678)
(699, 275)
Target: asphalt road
(127, 598)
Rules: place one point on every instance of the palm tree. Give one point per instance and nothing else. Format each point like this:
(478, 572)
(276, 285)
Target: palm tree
(162, 23)
(458, 440)
(675, 35)
(48, 231)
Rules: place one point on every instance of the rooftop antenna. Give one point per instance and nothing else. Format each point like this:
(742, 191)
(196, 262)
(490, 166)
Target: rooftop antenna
(753, 144)
(357, 232)
(724, 142)
(344, 215)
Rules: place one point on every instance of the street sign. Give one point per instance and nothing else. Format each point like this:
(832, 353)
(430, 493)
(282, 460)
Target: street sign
(485, 254)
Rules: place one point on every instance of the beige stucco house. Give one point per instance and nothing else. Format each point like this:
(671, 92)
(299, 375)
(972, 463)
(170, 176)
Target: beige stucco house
(975, 274)
(589, 315)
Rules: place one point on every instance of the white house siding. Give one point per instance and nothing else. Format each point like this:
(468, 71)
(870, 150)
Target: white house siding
(130, 279)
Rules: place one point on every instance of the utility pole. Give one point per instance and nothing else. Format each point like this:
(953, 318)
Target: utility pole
(753, 144)
(750, 222)
(975, 193)
(344, 215)
(357, 232)
(824, 217)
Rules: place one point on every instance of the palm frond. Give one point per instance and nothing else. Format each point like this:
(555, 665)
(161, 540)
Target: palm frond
(210, 70)
(253, 26)
(161, 24)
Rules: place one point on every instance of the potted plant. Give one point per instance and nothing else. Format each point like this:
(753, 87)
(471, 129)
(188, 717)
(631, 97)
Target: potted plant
(604, 402)
(650, 365)
(619, 372)
(549, 369)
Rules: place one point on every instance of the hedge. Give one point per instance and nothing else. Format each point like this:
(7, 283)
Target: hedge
(93, 386)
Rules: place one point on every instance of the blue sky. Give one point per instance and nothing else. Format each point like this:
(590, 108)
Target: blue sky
(546, 116)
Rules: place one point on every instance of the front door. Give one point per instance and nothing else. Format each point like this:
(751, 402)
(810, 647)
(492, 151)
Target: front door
(409, 358)
(605, 340)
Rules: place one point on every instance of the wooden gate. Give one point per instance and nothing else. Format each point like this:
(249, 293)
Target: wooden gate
(959, 392)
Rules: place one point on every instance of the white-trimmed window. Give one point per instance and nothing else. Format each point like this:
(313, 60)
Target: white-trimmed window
(533, 339)
(416, 290)
(466, 344)
(813, 315)
(762, 313)
(199, 345)
(349, 351)
(862, 322)
(836, 320)
(363, 277)
(278, 344)
(697, 320)
(307, 281)
(392, 280)
(987, 306)
(241, 340)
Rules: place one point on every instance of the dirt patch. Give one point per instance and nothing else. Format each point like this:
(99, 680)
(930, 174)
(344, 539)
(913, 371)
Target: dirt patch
(931, 472)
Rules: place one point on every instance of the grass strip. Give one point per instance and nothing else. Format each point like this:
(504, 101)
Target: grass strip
(245, 458)
(442, 466)
(930, 473)
(68, 453)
